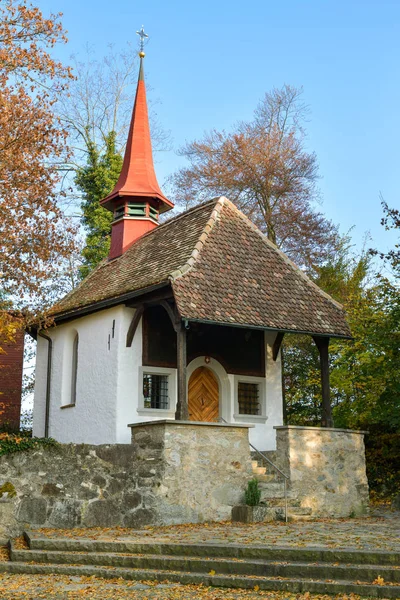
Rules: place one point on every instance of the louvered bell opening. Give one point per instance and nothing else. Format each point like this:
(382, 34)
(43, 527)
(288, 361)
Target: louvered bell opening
(136, 210)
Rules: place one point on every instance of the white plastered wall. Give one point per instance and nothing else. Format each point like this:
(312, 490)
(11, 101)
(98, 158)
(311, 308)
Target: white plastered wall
(128, 386)
(273, 379)
(93, 419)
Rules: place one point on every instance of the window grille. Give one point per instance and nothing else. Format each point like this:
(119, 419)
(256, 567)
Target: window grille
(155, 391)
(248, 398)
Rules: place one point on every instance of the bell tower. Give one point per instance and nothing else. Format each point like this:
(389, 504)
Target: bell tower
(136, 200)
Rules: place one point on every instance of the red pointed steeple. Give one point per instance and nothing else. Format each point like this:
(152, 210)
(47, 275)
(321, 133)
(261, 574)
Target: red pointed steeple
(136, 199)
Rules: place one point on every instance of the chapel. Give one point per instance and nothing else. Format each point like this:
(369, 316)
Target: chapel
(184, 320)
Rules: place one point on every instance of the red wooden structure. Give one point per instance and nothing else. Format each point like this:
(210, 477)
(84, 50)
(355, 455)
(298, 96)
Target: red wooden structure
(11, 366)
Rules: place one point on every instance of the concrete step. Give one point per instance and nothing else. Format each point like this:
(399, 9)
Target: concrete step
(225, 566)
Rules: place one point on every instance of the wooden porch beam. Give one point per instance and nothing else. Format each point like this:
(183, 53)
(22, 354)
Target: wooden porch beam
(322, 344)
(277, 344)
(182, 407)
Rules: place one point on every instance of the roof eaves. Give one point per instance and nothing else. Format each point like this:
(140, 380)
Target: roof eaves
(272, 329)
(188, 265)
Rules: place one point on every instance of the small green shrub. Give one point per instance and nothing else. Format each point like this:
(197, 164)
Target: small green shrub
(253, 493)
(10, 442)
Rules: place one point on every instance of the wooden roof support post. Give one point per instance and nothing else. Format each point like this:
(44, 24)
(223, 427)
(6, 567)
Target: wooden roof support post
(182, 407)
(322, 344)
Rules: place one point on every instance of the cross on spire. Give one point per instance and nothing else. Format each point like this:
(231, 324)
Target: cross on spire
(142, 36)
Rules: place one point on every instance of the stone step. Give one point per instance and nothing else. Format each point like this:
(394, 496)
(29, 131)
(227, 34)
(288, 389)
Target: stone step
(265, 477)
(239, 551)
(278, 502)
(258, 567)
(274, 489)
(213, 578)
(259, 470)
(254, 464)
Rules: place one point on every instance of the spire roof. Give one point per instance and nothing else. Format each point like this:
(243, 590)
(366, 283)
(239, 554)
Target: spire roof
(138, 178)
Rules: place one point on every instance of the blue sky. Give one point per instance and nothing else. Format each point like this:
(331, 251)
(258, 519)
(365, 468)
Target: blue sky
(210, 62)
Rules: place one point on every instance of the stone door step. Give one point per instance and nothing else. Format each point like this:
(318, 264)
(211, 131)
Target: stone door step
(214, 577)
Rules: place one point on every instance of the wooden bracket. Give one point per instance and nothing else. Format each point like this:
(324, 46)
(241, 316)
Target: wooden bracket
(277, 345)
(174, 317)
(133, 326)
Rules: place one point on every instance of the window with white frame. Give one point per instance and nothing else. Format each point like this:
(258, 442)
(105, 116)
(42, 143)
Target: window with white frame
(249, 398)
(155, 391)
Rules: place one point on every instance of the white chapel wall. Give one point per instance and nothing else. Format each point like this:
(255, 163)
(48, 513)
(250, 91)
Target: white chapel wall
(129, 362)
(273, 376)
(93, 419)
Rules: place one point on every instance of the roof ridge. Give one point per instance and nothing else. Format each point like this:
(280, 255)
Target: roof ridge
(283, 255)
(188, 265)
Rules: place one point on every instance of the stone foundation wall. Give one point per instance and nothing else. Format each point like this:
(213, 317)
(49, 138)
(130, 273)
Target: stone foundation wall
(170, 474)
(326, 469)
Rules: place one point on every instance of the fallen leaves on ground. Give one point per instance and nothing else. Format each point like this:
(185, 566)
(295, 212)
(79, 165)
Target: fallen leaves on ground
(63, 587)
(4, 554)
(376, 532)
(20, 543)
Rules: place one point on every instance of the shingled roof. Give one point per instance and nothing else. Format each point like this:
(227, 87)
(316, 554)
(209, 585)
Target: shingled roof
(222, 269)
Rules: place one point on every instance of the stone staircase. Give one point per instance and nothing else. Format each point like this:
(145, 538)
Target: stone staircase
(272, 490)
(371, 573)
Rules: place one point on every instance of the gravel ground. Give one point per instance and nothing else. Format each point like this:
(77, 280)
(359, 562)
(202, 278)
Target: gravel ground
(380, 531)
(23, 587)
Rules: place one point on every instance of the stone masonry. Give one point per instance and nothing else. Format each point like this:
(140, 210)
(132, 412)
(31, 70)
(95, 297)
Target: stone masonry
(172, 473)
(326, 468)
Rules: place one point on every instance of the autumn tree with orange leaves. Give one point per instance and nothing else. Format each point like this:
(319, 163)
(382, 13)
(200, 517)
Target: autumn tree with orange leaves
(263, 166)
(33, 236)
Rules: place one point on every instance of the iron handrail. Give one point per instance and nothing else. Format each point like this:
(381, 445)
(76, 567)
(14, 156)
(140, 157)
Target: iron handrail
(285, 477)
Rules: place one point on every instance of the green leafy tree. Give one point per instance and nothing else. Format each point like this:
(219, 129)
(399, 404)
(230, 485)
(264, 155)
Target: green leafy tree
(343, 276)
(366, 372)
(95, 180)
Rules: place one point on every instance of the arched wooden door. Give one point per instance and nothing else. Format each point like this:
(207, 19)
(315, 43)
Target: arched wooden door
(203, 396)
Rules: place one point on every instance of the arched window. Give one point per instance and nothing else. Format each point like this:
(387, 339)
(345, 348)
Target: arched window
(74, 369)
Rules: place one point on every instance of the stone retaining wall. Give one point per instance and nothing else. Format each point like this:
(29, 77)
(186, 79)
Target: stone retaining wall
(326, 468)
(172, 473)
